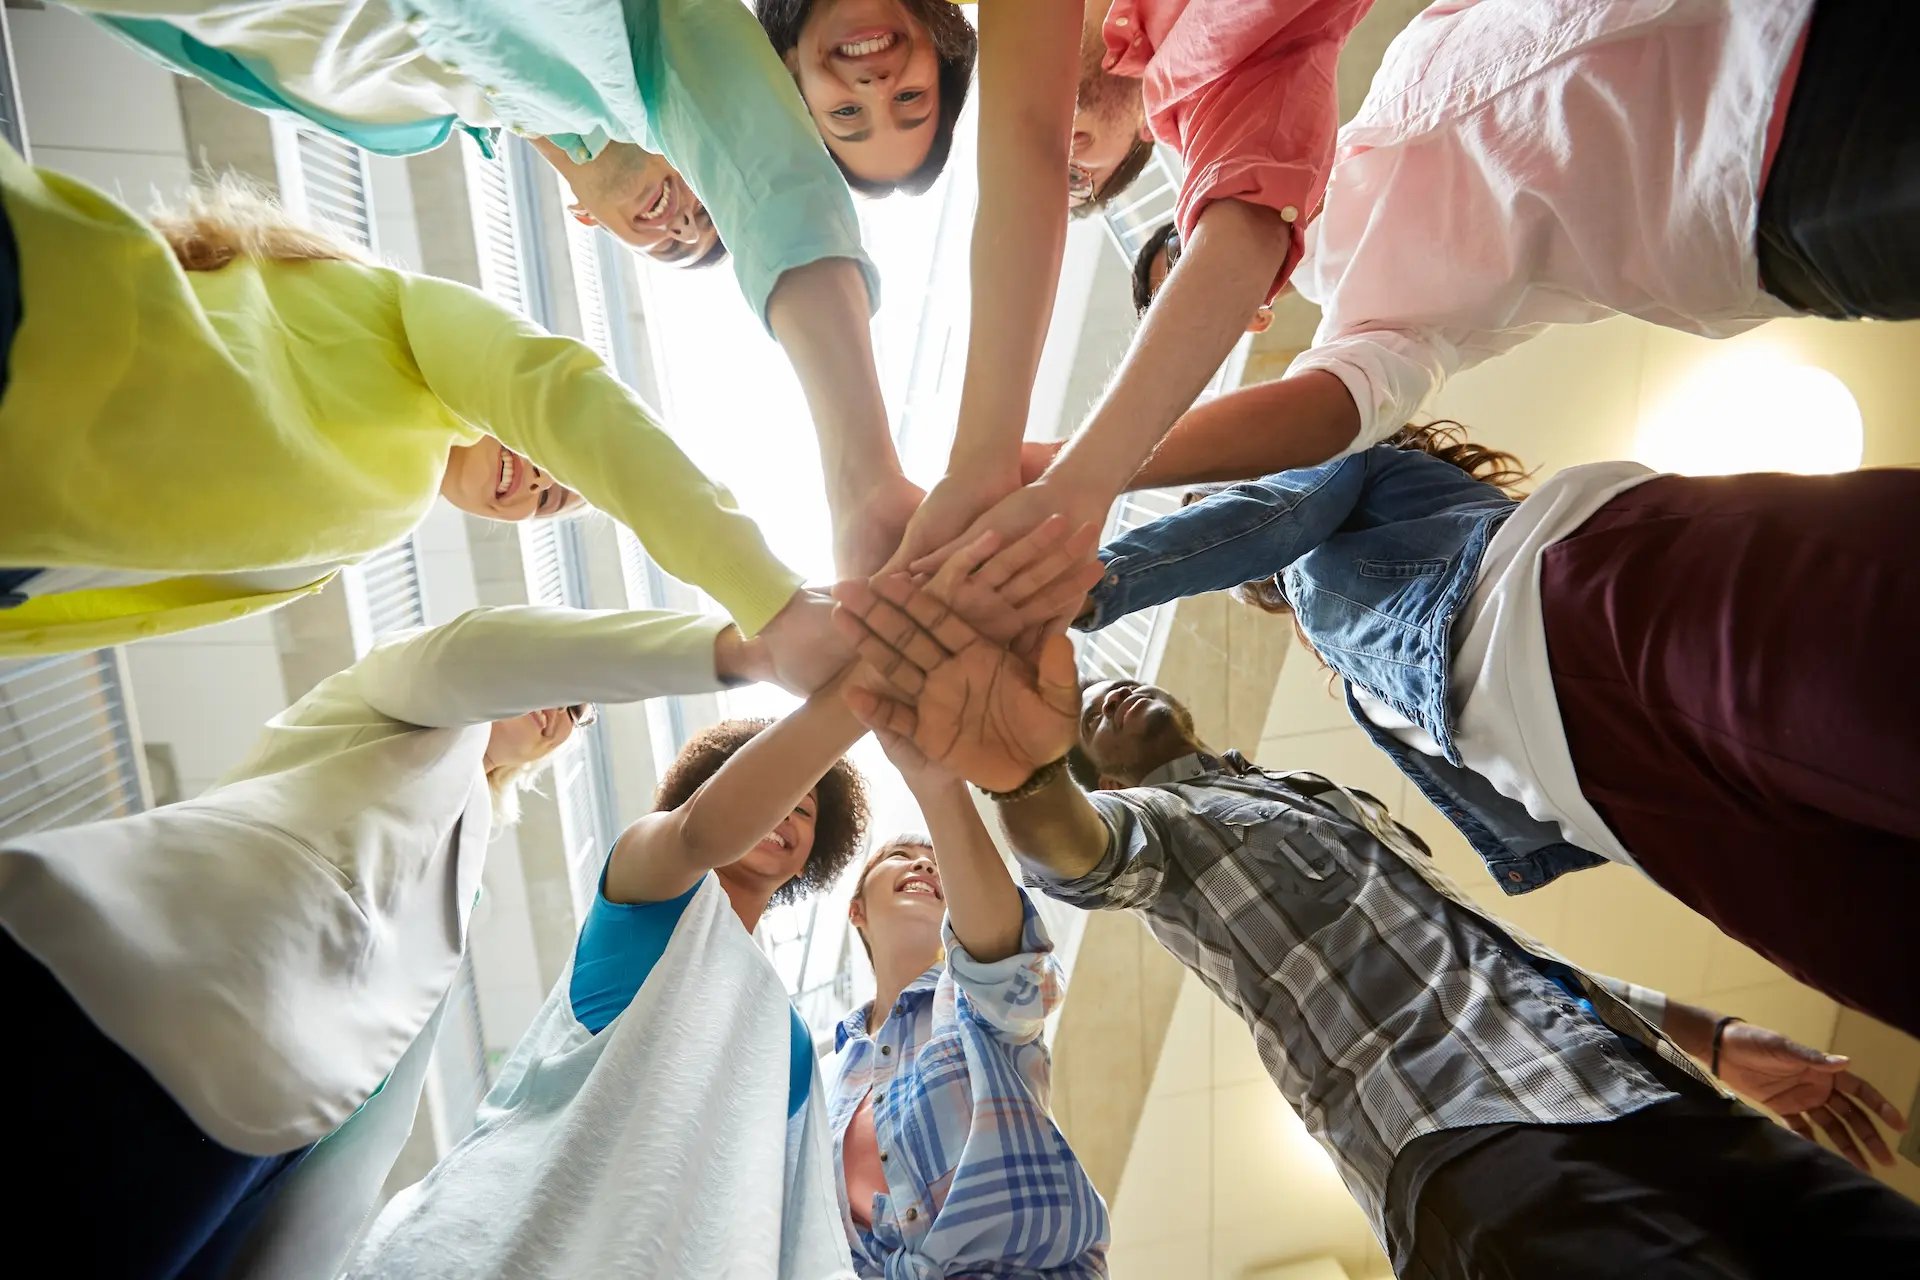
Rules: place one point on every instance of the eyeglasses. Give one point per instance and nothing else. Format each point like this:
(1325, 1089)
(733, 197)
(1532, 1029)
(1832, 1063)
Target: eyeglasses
(583, 714)
(1080, 188)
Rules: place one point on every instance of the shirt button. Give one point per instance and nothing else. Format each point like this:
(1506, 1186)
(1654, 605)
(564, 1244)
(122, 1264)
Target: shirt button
(912, 1214)
(450, 66)
(491, 90)
(883, 1157)
(886, 1050)
(1514, 876)
(236, 611)
(148, 627)
(580, 155)
(1289, 213)
(416, 25)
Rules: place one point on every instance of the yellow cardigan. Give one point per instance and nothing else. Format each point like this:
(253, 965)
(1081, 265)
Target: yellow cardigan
(276, 414)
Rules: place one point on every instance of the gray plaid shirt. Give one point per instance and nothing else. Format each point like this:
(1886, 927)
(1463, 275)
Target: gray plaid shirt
(1384, 1006)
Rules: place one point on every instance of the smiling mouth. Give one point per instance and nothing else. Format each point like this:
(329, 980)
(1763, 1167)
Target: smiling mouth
(868, 47)
(658, 209)
(509, 472)
(920, 888)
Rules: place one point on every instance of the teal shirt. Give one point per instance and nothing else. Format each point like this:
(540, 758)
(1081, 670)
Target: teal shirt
(620, 943)
(694, 80)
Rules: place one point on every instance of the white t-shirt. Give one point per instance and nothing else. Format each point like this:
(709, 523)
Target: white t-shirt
(1506, 716)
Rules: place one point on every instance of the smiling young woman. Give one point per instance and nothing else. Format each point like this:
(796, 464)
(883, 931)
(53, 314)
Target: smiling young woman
(283, 406)
(883, 80)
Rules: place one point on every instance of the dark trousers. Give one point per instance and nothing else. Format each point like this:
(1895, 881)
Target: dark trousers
(94, 1135)
(1839, 223)
(1691, 1189)
(1735, 662)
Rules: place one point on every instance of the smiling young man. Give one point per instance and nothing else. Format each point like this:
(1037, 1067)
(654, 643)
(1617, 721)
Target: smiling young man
(1493, 1109)
(943, 1141)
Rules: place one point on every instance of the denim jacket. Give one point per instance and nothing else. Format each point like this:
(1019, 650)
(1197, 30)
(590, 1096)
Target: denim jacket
(1376, 551)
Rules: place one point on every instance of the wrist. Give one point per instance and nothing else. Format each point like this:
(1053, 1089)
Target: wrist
(738, 660)
(1039, 780)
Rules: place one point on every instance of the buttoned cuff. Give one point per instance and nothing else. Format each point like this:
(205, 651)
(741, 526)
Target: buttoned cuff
(1013, 995)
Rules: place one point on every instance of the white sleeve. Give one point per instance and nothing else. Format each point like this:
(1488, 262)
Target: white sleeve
(490, 664)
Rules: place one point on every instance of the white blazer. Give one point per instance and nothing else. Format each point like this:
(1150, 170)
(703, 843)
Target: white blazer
(269, 949)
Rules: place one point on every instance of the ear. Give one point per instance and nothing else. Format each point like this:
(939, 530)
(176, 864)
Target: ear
(792, 60)
(857, 913)
(1262, 320)
(1146, 132)
(1110, 783)
(581, 216)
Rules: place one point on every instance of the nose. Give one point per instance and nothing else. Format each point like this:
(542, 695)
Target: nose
(922, 865)
(537, 480)
(878, 75)
(1115, 696)
(682, 227)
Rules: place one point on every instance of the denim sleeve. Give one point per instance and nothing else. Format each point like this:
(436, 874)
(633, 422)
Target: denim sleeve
(1241, 534)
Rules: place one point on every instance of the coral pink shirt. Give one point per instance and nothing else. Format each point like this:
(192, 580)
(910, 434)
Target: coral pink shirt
(1245, 90)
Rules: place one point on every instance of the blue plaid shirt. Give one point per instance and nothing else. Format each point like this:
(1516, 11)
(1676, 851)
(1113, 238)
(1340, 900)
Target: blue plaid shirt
(980, 1181)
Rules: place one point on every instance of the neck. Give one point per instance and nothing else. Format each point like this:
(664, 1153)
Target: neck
(894, 968)
(749, 899)
(1185, 747)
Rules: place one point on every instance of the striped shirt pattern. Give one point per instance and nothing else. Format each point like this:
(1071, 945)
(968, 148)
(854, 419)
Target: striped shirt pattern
(980, 1180)
(1383, 1005)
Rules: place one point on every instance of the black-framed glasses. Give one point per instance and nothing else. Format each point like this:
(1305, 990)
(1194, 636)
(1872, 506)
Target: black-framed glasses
(583, 714)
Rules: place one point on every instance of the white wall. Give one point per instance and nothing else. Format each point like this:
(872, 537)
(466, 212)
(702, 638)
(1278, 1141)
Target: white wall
(96, 109)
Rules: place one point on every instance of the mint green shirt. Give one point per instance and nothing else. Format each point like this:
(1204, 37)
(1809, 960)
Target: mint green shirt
(694, 80)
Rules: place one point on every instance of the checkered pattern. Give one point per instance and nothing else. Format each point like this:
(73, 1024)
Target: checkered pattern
(1383, 1005)
(980, 1181)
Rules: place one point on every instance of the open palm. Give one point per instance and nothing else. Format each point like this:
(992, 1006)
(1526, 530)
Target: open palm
(965, 703)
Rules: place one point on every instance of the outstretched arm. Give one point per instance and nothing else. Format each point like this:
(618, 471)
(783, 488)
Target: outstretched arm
(1028, 69)
(1228, 267)
(663, 854)
(1806, 1087)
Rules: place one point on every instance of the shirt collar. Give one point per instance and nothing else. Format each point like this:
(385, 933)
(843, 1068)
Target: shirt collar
(1196, 763)
(855, 1023)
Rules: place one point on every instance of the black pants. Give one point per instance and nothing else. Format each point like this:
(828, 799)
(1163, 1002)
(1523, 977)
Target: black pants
(95, 1140)
(1839, 224)
(1690, 1189)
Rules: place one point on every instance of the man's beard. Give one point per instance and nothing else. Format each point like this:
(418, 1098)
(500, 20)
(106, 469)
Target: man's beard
(1102, 94)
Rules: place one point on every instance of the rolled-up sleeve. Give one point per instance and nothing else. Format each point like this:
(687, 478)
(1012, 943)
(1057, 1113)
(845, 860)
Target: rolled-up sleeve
(1011, 997)
(1389, 374)
(726, 113)
(1129, 875)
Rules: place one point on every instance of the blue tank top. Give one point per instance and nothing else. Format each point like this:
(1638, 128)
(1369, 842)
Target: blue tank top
(618, 947)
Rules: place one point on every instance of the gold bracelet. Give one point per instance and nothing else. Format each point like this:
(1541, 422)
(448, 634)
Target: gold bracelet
(1039, 778)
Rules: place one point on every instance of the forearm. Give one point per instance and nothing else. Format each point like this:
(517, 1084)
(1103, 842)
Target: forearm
(819, 315)
(489, 664)
(1297, 421)
(1057, 829)
(1028, 51)
(1200, 313)
(983, 903)
(765, 779)
(1691, 1027)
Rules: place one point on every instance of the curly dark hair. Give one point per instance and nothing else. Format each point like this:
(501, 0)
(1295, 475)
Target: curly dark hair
(839, 829)
(1166, 237)
(955, 44)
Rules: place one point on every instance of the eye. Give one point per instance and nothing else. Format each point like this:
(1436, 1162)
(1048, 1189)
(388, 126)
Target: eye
(911, 95)
(846, 112)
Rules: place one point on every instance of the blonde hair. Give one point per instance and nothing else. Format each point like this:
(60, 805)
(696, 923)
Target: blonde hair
(232, 217)
(510, 783)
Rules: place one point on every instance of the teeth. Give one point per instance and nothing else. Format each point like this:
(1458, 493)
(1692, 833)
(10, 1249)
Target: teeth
(861, 48)
(917, 886)
(659, 206)
(506, 474)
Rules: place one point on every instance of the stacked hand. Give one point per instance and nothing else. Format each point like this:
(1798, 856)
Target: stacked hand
(965, 703)
(1807, 1088)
